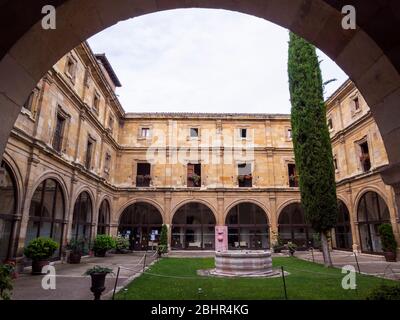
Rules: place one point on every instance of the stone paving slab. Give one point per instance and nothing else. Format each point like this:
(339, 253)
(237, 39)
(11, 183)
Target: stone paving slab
(369, 264)
(72, 284)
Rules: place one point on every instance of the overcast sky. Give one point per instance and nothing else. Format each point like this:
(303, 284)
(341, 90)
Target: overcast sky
(200, 60)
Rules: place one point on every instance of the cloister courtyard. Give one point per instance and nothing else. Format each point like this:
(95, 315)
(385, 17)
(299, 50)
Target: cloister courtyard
(202, 193)
(175, 277)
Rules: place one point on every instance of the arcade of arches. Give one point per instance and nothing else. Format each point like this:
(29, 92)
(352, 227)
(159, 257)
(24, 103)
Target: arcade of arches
(51, 185)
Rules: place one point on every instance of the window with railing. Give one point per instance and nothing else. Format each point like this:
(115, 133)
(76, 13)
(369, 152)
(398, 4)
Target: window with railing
(59, 133)
(365, 159)
(89, 153)
(245, 177)
(293, 178)
(193, 175)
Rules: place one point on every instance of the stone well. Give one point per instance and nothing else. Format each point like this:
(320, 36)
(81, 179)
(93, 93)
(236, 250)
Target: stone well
(243, 264)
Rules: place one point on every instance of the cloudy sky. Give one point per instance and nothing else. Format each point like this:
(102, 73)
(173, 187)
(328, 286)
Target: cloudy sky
(200, 60)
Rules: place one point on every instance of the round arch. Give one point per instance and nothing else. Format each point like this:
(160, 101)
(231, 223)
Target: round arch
(363, 191)
(193, 227)
(141, 223)
(292, 226)
(82, 217)
(285, 204)
(186, 201)
(47, 211)
(343, 236)
(54, 176)
(376, 74)
(9, 199)
(253, 201)
(8, 159)
(248, 226)
(104, 216)
(372, 211)
(145, 200)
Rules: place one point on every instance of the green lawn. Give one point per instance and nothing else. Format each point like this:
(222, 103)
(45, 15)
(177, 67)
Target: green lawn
(307, 280)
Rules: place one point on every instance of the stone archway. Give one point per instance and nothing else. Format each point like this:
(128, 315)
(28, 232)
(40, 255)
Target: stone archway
(248, 227)
(141, 223)
(193, 227)
(369, 54)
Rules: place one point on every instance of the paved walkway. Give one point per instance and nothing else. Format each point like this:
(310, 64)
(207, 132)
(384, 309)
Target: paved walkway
(368, 264)
(72, 284)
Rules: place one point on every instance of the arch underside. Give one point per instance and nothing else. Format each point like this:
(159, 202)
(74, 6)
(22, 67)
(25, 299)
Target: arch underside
(369, 54)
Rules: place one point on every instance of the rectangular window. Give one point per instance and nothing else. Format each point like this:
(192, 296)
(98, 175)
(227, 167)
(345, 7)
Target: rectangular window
(143, 176)
(194, 175)
(365, 159)
(243, 133)
(145, 132)
(28, 103)
(107, 163)
(59, 133)
(289, 134)
(356, 102)
(194, 132)
(111, 123)
(89, 153)
(96, 102)
(330, 124)
(70, 68)
(245, 177)
(293, 178)
(335, 163)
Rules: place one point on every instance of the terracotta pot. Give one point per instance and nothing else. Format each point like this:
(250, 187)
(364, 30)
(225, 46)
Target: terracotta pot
(37, 266)
(74, 258)
(390, 256)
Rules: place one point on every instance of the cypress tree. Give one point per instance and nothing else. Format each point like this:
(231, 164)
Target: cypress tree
(311, 141)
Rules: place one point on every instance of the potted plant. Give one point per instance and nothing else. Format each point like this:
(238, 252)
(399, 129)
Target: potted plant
(278, 245)
(102, 244)
(40, 250)
(98, 275)
(6, 276)
(121, 245)
(76, 247)
(195, 178)
(389, 244)
(291, 247)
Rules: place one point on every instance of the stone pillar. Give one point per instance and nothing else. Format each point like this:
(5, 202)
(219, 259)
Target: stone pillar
(220, 209)
(167, 217)
(273, 222)
(391, 176)
(114, 229)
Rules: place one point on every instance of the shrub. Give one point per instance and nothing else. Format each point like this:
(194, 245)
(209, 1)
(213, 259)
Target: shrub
(40, 248)
(98, 269)
(389, 243)
(6, 286)
(385, 292)
(103, 243)
(77, 245)
(121, 244)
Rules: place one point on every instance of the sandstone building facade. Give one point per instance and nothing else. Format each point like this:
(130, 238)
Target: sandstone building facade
(77, 165)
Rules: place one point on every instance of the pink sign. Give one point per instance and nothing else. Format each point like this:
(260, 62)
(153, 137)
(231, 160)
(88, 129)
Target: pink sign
(221, 238)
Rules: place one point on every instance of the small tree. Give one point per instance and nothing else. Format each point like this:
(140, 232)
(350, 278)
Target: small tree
(389, 243)
(163, 244)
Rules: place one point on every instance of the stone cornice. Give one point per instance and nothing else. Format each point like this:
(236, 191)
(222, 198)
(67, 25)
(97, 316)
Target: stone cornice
(362, 120)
